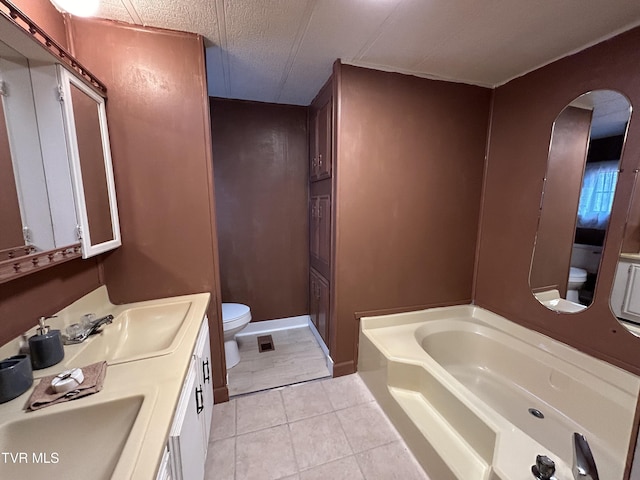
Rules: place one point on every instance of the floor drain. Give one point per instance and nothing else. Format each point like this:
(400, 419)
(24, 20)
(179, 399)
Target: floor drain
(536, 413)
(265, 343)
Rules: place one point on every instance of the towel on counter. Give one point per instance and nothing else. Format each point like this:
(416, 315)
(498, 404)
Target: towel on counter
(44, 395)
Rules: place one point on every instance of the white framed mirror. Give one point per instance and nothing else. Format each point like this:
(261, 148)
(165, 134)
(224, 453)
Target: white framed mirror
(91, 168)
(587, 143)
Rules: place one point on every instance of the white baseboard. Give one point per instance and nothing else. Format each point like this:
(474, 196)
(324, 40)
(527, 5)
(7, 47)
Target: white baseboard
(266, 326)
(324, 348)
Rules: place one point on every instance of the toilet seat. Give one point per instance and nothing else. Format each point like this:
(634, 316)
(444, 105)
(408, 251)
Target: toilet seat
(577, 275)
(235, 315)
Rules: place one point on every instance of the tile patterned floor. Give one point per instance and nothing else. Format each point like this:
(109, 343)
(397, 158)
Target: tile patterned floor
(297, 358)
(327, 429)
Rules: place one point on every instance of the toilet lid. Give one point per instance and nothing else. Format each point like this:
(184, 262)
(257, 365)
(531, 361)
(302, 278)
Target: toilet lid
(234, 311)
(577, 274)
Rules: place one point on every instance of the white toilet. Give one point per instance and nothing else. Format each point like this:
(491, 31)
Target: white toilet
(577, 277)
(235, 317)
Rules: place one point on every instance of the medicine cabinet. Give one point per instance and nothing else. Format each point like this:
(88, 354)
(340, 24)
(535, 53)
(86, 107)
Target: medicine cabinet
(57, 189)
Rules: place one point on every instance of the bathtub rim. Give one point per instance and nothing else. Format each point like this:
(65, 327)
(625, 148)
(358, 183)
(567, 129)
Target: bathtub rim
(616, 376)
(625, 381)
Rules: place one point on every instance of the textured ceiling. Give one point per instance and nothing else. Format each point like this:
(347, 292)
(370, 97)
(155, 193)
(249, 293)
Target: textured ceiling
(282, 51)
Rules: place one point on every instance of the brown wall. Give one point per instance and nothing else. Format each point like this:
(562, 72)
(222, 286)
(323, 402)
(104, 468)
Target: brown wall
(557, 224)
(410, 159)
(523, 113)
(260, 157)
(23, 300)
(160, 140)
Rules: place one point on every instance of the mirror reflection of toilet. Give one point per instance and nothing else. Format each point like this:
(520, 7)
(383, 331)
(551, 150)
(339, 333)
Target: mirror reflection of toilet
(577, 277)
(235, 317)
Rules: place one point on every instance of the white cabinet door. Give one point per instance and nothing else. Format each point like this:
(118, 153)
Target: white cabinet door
(186, 438)
(164, 472)
(85, 120)
(631, 304)
(619, 288)
(202, 356)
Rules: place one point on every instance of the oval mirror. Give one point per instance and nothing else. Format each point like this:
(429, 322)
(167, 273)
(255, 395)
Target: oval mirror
(579, 187)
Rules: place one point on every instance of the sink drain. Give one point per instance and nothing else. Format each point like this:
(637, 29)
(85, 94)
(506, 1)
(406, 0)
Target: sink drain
(536, 413)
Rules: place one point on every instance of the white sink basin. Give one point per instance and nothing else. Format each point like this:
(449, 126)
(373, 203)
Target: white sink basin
(135, 334)
(79, 443)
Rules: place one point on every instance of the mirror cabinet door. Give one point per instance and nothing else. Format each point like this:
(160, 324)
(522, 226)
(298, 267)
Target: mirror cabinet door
(579, 187)
(92, 173)
(25, 216)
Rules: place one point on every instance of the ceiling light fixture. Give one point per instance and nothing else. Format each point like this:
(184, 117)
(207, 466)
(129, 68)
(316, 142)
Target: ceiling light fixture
(79, 8)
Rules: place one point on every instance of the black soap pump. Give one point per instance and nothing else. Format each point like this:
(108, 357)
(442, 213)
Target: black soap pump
(45, 347)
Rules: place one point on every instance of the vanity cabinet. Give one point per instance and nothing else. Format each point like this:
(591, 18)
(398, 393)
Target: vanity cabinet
(164, 472)
(188, 451)
(202, 357)
(189, 435)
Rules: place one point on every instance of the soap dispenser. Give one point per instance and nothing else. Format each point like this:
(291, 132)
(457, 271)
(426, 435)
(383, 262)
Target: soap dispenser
(46, 346)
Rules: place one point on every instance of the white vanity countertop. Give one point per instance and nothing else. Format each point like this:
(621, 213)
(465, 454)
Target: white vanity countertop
(158, 380)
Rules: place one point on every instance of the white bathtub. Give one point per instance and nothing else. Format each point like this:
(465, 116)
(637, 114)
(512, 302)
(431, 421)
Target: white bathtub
(458, 382)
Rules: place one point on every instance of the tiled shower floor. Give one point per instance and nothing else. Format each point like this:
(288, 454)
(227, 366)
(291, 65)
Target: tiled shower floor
(328, 429)
(297, 358)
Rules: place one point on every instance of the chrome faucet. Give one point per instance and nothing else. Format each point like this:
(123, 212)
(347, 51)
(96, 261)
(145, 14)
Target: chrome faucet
(92, 328)
(544, 468)
(584, 466)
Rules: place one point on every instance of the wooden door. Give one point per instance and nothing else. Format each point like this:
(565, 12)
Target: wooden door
(324, 229)
(323, 139)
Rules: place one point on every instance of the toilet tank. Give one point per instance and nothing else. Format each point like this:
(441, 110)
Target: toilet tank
(586, 257)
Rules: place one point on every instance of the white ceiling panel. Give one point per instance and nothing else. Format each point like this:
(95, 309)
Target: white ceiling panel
(261, 38)
(114, 10)
(198, 16)
(503, 40)
(337, 29)
(282, 50)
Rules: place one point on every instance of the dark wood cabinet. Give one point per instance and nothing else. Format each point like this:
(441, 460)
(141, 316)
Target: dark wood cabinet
(320, 209)
(319, 304)
(321, 143)
(320, 230)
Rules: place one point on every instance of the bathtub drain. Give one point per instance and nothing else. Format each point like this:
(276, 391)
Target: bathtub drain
(536, 413)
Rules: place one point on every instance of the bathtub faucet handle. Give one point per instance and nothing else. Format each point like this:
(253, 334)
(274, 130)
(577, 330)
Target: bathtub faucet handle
(544, 468)
(584, 465)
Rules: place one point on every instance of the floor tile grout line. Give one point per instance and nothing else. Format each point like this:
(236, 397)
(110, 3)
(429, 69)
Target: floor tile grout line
(345, 433)
(235, 457)
(293, 449)
(302, 470)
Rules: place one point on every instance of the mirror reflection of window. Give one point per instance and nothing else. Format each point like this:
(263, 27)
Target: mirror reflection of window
(579, 189)
(596, 196)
